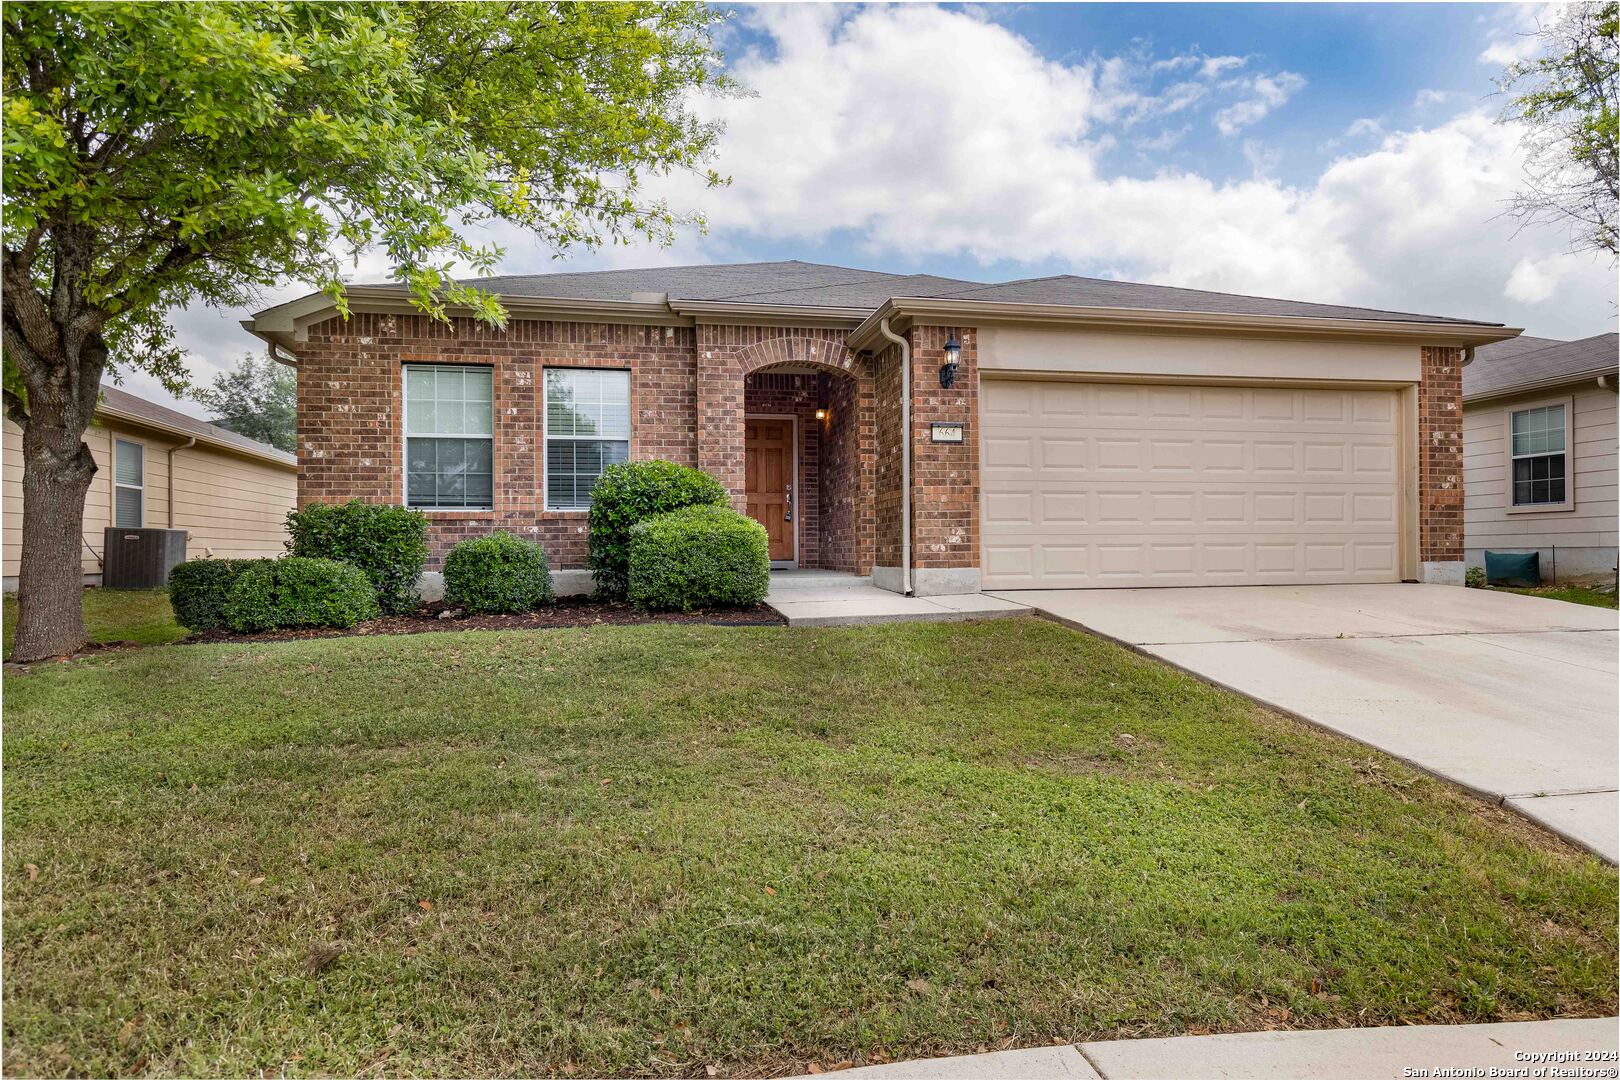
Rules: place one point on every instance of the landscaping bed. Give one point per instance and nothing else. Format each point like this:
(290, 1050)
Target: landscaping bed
(566, 611)
(664, 849)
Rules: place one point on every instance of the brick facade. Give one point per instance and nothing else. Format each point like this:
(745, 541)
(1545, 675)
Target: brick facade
(1440, 457)
(690, 389)
(351, 438)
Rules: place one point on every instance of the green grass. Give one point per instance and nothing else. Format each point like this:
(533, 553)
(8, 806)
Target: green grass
(139, 615)
(650, 850)
(1590, 595)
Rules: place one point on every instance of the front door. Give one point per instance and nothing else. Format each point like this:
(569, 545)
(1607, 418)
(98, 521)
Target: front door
(768, 447)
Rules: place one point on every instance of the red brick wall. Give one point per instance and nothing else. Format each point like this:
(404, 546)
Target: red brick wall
(1440, 457)
(848, 456)
(944, 476)
(687, 403)
(887, 476)
(350, 442)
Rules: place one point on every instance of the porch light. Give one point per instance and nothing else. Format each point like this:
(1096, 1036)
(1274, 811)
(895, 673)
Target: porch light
(953, 356)
(821, 414)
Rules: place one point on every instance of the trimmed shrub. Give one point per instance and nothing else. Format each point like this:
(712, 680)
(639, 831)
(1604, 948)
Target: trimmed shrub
(699, 557)
(499, 573)
(628, 494)
(388, 543)
(197, 590)
(277, 594)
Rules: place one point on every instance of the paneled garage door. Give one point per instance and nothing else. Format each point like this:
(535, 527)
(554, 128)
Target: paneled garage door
(1124, 485)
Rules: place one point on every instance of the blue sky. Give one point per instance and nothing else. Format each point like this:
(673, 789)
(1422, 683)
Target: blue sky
(1339, 153)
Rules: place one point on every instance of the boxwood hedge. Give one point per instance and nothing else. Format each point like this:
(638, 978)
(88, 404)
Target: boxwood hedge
(278, 594)
(628, 494)
(699, 557)
(498, 573)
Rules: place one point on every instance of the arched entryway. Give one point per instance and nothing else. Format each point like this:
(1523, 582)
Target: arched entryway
(805, 430)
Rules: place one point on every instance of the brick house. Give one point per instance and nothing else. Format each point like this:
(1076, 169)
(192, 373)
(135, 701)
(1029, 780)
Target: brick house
(1090, 433)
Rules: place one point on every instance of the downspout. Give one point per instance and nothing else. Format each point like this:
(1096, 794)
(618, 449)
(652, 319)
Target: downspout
(1468, 356)
(1607, 382)
(187, 445)
(905, 454)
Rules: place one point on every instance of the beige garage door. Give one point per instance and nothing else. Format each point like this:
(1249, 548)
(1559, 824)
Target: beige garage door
(1122, 485)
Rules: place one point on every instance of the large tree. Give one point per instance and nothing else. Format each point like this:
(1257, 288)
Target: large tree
(257, 398)
(161, 154)
(1567, 98)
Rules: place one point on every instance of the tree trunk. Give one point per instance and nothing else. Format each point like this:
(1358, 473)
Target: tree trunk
(57, 470)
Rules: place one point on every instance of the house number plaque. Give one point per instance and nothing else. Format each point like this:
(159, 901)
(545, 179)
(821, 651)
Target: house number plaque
(945, 432)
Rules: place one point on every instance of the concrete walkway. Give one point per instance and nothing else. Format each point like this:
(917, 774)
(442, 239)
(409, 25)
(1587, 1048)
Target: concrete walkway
(828, 598)
(1514, 697)
(1341, 1054)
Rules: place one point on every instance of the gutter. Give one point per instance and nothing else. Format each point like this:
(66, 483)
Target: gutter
(1605, 378)
(905, 309)
(905, 454)
(187, 445)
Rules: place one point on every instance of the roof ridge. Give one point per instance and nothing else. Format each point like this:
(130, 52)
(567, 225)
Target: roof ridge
(1243, 296)
(839, 284)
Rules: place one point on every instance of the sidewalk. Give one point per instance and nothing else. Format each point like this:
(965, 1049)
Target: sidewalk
(1339, 1054)
(828, 598)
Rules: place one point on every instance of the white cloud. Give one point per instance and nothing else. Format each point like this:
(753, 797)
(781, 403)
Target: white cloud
(1213, 66)
(1366, 125)
(858, 137)
(1266, 92)
(1427, 98)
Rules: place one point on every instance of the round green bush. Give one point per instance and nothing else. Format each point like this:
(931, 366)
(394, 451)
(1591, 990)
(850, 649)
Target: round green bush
(498, 573)
(389, 543)
(628, 494)
(278, 594)
(699, 557)
(197, 590)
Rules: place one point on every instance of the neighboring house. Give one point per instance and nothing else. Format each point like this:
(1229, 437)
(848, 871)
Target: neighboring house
(158, 468)
(1097, 433)
(1539, 454)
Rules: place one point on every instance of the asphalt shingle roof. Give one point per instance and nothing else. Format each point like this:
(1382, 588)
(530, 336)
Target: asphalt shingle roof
(1531, 361)
(169, 419)
(803, 284)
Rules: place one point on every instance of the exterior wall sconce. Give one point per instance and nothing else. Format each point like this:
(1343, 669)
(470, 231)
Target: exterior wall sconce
(821, 414)
(953, 356)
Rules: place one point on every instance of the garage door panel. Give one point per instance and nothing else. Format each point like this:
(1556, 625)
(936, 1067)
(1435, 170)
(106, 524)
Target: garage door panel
(1104, 456)
(1170, 485)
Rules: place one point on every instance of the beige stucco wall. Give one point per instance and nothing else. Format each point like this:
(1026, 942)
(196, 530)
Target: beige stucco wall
(1585, 535)
(1019, 348)
(231, 505)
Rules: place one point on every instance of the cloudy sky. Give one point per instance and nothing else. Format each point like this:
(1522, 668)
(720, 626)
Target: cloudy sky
(1337, 153)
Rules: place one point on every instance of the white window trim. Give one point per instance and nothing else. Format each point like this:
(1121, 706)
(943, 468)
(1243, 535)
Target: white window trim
(545, 432)
(405, 435)
(112, 515)
(1569, 455)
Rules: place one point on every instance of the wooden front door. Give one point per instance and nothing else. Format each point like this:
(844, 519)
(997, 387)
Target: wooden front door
(768, 447)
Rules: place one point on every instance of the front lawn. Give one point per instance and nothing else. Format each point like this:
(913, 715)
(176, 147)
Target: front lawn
(1590, 595)
(657, 849)
(139, 615)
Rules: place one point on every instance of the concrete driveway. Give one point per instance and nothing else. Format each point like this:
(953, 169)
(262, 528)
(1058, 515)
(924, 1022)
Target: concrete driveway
(1512, 696)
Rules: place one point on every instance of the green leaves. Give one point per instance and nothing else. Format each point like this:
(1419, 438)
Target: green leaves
(212, 150)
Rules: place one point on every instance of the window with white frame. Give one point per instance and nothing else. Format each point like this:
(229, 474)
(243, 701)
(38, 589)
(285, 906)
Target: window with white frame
(449, 437)
(587, 429)
(1539, 455)
(129, 484)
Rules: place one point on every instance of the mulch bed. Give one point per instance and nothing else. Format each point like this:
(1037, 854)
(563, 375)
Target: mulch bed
(568, 611)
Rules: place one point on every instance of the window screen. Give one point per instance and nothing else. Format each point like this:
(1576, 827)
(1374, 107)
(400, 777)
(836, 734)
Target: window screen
(449, 437)
(129, 485)
(587, 429)
(1538, 454)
